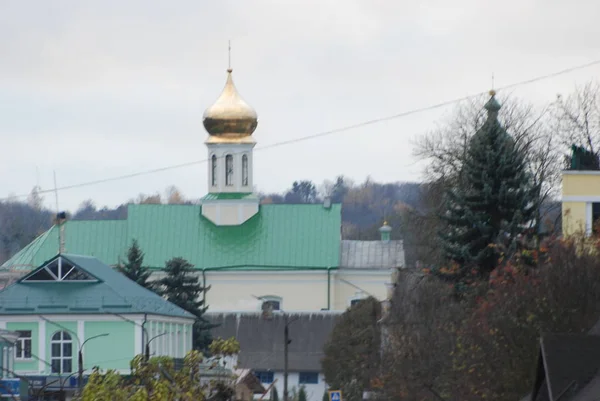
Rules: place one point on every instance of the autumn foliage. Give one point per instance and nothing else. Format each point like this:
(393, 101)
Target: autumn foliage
(483, 344)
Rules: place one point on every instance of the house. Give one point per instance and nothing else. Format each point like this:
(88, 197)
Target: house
(249, 253)
(568, 368)
(580, 193)
(262, 346)
(74, 307)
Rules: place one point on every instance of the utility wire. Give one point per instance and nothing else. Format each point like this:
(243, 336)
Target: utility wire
(317, 135)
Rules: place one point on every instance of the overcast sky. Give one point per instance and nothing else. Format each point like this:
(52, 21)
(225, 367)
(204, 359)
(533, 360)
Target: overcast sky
(96, 89)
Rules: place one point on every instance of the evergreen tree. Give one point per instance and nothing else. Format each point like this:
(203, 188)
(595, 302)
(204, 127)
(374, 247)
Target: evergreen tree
(274, 394)
(325, 396)
(182, 287)
(493, 201)
(302, 394)
(134, 269)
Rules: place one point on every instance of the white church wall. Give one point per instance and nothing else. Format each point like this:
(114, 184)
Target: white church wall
(238, 291)
(298, 291)
(352, 284)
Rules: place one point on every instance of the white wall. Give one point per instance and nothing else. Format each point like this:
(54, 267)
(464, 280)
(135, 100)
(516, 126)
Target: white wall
(314, 392)
(237, 291)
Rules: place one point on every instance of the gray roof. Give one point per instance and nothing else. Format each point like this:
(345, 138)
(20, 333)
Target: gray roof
(568, 363)
(372, 254)
(261, 340)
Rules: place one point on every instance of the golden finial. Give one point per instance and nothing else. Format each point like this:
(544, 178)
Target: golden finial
(385, 222)
(492, 93)
(229, 69)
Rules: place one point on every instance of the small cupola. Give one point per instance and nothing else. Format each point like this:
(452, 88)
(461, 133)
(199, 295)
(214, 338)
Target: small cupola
(385, 231)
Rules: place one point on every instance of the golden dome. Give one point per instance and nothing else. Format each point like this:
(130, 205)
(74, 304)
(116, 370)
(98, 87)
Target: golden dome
(230, 116)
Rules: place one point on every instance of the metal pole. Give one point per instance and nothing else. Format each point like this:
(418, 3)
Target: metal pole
(80, 358)
(80, 376)
(286, 342)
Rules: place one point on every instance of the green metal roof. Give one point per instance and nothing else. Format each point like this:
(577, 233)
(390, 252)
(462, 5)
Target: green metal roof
(110, 293)
(229, 196)
(279, 236)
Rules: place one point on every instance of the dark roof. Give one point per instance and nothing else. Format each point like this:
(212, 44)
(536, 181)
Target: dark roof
(567, 364)
(261, 340)
(101, 291)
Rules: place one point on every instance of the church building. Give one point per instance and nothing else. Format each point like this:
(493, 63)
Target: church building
(289, 255)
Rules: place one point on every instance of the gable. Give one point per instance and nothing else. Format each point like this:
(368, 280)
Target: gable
(77, 284)
(59, 269)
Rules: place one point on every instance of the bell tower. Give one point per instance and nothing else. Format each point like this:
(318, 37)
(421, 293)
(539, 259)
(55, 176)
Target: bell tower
(230, 123)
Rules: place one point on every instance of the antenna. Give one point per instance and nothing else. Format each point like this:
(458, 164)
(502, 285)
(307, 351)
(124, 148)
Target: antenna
(492, 81)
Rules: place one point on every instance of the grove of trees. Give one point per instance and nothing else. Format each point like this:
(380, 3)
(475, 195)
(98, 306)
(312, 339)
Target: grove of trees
(466, 325)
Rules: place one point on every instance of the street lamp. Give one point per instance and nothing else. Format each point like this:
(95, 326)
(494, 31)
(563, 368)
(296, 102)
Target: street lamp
(147, 356)
(268, 314)
(80, 376)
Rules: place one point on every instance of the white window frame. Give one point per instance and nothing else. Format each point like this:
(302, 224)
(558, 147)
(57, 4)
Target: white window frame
(63, 274)
(62, 358)
(271, 298)
(245, 170)
(214, 168)
(21, 341)
(356, 297)
(229, 178)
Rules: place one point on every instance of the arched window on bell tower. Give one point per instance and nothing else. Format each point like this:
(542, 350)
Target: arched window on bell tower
(245, 170)
(213, 171)
(229, 170)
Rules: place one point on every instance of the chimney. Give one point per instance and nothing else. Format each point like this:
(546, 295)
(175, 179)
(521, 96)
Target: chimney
(61, 218)
(327, 202)
(385, 231)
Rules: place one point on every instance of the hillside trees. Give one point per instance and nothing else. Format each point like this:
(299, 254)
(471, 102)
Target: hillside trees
(485, 345)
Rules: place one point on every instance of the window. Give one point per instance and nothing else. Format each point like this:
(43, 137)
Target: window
(61, 357)
(59, 270)
(23, 345)
(271, 303)
(355, 301)
(308, 378)
(265, 377)
(213, 173)
(245, 170)
(229, 170)
(595, 217)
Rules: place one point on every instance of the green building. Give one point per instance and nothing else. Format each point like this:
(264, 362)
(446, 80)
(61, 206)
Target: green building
(73, 304)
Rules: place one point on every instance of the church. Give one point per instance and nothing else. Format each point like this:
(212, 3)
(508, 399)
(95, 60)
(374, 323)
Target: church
(288, 258)
(289, 255)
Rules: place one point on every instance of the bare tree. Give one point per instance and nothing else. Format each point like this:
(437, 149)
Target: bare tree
(578, 117)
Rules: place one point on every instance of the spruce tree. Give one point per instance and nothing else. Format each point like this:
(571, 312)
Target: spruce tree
(493, 201)
(134, 268)
(302, 394)
(181, 286)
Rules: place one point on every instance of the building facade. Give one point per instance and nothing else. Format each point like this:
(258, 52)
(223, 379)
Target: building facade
(262, 347)
(73, 304)
(580, 200)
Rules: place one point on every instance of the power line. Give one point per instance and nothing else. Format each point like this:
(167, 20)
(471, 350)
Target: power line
(317, 135)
